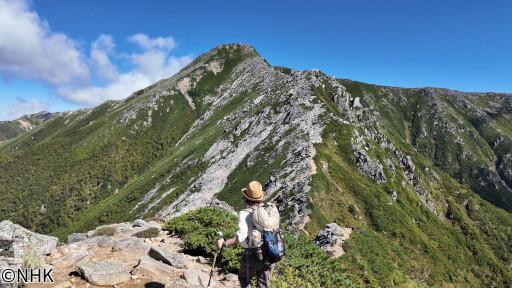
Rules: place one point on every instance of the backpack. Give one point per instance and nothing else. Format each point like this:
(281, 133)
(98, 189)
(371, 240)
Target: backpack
(266, 220)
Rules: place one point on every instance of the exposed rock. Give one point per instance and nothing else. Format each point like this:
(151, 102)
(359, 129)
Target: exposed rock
(357, 103)
(369, 167)
(103, 273)
(25, 240)
(132, 244)
(174, 259)
(331, 239)
(291, 131)
(196, 277)
(140, 223)
(5, 247)
(100, 241)
(76, 237)
(150, 266)
(394, 195)
(71, 258)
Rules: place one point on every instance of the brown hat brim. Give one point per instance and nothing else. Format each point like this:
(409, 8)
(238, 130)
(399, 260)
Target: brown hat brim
(250, 198)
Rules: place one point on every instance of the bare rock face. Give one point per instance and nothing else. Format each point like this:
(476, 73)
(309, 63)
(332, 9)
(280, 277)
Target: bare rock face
(24, 241)
(370, 168)
(331, 239)
(104, 273)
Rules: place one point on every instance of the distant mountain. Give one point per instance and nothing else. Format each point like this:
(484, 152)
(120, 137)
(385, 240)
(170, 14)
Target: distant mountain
(424, 176)
(12, 129)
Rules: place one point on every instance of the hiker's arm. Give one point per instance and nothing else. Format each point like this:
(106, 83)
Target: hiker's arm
(228, 242)
(241, 234)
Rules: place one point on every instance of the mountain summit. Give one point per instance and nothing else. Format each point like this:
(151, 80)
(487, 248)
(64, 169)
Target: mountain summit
(423, 176)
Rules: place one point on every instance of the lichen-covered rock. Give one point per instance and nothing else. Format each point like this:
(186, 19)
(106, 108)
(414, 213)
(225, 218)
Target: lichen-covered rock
(24, 240)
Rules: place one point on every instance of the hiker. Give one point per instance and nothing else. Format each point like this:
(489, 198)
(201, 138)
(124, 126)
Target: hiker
(258, 232)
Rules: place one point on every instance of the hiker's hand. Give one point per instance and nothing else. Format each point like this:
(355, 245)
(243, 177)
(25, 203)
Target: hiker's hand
(220, 243)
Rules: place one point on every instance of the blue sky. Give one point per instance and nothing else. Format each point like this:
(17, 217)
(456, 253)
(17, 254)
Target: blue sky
(61, 55)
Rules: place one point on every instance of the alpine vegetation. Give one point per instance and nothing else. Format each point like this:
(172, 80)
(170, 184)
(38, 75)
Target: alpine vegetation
(407, 187)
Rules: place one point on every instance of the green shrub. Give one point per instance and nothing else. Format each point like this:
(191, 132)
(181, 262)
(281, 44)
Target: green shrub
(148, 233)
(306, 265)
(198, 229)
(105, 231)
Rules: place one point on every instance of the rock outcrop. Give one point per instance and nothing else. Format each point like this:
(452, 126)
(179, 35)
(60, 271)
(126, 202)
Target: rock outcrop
(103, 273)
(121, 260)
(331, 239)
(22, 241)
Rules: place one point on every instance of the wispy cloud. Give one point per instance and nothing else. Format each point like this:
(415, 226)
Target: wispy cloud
(22, 107)
(148, 66)
(29, 49)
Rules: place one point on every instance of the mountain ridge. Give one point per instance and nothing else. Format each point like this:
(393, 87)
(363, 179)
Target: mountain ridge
(408, 169)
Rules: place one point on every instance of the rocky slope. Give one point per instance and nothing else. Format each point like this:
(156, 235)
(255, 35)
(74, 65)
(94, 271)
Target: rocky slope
(423, 176)
(12, 129)
(137, 254)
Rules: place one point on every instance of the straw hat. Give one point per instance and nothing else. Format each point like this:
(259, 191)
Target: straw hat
(253, 192)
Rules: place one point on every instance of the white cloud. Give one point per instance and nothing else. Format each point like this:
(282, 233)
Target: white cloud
(30, 50)
(100, 51)
(23, 107)
(148, 66)
(163, 43)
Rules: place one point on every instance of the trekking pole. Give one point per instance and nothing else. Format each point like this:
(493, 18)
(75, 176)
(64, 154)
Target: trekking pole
(221, 236)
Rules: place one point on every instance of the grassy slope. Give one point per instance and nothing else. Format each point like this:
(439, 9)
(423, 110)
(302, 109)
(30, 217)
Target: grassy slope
(175, 167)
(403, 242)
(72, 167)
(9, 130)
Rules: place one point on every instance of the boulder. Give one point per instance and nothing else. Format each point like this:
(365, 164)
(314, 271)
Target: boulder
(103, 273)
(331, 239)
(76, 237)
(100, 241)
(140, 223)
(172, 258)
(25, 240)
(133, 245)
(151, 267)
(196, 277)
(71, 258)
(110, 230)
